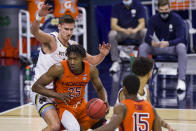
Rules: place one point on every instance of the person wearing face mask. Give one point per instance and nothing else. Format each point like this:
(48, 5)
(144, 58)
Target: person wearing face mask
(169, 28)
(127, 21)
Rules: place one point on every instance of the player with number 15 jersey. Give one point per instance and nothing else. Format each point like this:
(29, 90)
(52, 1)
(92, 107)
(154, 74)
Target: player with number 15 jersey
(140, 116)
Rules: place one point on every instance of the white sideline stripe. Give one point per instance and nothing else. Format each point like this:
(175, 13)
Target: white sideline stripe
(17, 118)
(15, 108)
(175, 109)
(183, 123)
(26, 118)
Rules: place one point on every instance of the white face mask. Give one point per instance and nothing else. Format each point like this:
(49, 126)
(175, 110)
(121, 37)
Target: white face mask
(164, 15)
(127, 3)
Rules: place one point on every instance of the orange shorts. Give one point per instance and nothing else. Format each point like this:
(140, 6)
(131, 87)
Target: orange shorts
(79, 113)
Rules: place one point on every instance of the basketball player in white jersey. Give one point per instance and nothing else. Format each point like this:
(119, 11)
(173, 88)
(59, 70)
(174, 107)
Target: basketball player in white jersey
(142, 67)
(53, 50)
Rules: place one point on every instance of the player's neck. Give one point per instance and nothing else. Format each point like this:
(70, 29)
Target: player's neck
(63, 41)
(143, 82)
(132, 97)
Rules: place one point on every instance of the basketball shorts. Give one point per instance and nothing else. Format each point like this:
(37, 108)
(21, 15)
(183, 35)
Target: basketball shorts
(79, 112)
(42, 103)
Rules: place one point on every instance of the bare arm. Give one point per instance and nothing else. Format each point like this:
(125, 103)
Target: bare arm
(94, 74)
(119, 114)
(141, 25)
(156, 123)
(115, 26)
(55, 72)
(41, 36)
(95, 60)
(165, 124)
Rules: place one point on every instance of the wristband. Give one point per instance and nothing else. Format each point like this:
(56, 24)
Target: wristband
(38, 18)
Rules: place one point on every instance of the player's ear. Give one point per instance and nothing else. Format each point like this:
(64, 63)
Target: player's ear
(149, 74)
(59, 26)
(124, 90)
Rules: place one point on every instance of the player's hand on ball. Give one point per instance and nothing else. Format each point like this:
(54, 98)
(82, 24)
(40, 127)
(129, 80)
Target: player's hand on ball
(108, 107)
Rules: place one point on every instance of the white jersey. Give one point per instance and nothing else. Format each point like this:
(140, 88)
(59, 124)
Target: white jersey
(143, 97)
(45, 61)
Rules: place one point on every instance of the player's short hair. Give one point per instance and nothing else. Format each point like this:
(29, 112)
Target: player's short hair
(77, 49)
(163, 3)
(132, 84)
(66, 19)
(142, 66)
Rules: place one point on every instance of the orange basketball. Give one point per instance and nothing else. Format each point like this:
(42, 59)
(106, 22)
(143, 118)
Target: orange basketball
(96, 108)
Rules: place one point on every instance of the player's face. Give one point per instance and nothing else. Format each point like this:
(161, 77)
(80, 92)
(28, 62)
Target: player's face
(66, 30)
(75, 61)
(164, 9)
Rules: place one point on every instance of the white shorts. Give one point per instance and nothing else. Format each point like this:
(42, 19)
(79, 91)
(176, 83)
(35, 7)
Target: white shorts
(42, 103)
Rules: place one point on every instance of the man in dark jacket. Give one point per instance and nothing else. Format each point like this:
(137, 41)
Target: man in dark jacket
(166, 35)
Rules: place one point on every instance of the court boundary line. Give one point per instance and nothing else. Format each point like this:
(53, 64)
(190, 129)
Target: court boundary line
(173, 109)
(15, 108)
(25, 118)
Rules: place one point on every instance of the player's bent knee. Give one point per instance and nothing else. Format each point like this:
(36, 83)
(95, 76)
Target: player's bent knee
(69, 121)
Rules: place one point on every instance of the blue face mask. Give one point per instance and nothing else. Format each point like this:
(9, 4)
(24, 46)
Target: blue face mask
(127, 3)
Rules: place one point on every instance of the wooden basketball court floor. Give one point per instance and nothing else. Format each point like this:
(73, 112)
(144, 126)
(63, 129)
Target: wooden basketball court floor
(25, 118)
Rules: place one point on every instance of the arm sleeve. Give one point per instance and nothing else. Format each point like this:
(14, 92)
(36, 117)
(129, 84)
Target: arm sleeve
(141, 13)
(179, 32)
(115, 11)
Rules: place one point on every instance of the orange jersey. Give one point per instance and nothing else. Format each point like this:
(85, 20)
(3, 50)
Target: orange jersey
(62, 7)
(75, 84)
(140, 116)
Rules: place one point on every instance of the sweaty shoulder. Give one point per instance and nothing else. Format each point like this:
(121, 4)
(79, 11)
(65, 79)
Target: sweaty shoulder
(57, 69)
(72, 42)
(120, 107)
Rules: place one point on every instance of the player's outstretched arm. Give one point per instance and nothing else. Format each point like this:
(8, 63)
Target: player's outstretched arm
(35, 28)
(156, 124)
(55, 72)
(119, 113)
(104, 50)
(94, 75)
(166, 125)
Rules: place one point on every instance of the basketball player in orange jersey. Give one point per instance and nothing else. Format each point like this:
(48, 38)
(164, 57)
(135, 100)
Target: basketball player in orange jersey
(132, 114)
(54, 46)
(71, 77)
(142, 67)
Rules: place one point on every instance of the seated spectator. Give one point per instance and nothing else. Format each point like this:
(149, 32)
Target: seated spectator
(166, 36)
(127, 21)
